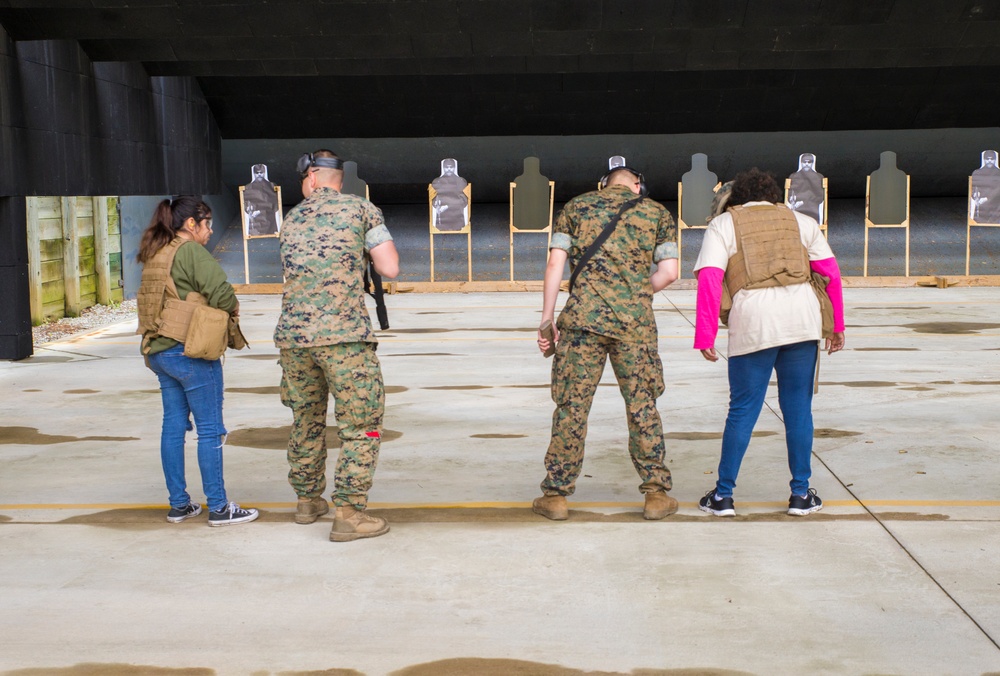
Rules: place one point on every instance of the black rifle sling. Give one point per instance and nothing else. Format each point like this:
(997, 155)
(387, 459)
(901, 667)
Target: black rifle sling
(593, 248)
(374, 279)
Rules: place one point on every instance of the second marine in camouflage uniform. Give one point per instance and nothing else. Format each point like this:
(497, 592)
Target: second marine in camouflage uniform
(609, 314)
(327, 345)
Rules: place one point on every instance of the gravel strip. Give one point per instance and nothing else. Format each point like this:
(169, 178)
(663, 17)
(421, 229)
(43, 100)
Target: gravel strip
(92, 318)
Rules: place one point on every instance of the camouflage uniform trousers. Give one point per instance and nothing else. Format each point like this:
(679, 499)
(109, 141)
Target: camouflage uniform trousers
(352, 372)
(576, 372)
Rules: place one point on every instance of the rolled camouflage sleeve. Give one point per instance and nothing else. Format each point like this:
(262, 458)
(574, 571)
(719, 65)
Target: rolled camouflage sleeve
(562, 237)
(561, 240)
(376, 232)
(666, 238)
(377, 235)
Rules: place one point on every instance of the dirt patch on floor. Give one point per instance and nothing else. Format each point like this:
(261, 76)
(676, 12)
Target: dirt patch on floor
(32, 437)
(111, 669)
(276, 438)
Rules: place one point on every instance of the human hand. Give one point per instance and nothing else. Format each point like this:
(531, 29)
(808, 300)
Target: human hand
(545, 344)
(710, 354)
(835, 343)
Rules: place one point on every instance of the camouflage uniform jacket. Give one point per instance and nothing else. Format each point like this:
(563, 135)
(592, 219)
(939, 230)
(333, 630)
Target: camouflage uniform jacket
(613, 296)
(323, 245)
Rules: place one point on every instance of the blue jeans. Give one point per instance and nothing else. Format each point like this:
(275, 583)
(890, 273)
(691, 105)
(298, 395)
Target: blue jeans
(749, 374)
(191, 386)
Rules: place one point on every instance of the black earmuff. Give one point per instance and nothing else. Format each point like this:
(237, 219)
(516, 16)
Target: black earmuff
(308, 161)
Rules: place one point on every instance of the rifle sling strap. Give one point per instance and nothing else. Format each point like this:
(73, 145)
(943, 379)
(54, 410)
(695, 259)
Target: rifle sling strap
(601, 238)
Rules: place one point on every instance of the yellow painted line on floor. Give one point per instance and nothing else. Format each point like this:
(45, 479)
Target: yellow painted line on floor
(521, 505)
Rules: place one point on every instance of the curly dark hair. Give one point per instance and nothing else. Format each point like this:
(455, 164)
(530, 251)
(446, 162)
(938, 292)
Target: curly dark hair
(755, 185)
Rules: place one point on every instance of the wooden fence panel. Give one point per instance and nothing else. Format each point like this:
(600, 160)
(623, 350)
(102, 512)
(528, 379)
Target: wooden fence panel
(114, 251)
(34, 262)
(71, 257)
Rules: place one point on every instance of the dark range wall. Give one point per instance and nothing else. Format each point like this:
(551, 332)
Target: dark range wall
(399, 169)
(72, 127)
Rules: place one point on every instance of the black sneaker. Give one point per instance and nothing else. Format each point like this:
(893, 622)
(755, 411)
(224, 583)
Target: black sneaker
(800, 505)
(713, 504)
(231, 514)
(176, 515)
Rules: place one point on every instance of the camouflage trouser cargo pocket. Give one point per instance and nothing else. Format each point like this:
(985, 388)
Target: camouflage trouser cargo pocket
(359, 393)
(577, 367)
(639, 370)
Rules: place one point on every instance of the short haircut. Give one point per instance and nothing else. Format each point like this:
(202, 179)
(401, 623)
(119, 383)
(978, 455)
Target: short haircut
(755, 185)
(621, 172)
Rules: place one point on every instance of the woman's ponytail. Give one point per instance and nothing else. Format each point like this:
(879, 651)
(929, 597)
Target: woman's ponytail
(168, 219)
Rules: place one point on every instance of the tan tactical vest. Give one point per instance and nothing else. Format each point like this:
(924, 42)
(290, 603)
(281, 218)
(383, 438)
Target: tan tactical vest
(769, 252)
(161, 311)
(769, 249)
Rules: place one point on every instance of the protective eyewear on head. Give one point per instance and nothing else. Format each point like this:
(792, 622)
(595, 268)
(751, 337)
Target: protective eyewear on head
(309, 161)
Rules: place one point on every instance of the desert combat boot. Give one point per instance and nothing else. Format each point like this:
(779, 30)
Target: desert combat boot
(551, 507)
(310, 509)
(353, 524)
(658, 505)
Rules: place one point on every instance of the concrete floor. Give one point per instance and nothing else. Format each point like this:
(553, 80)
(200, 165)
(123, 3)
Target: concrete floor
(897, 575)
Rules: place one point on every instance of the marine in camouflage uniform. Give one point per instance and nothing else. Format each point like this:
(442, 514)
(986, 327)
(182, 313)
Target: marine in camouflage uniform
(327, 344)
(609, 314)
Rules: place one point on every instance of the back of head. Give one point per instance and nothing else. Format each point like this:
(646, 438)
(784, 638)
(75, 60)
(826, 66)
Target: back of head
(754, 185)
(327, 174)
(622, 176)
(626, 176)
(167, 221)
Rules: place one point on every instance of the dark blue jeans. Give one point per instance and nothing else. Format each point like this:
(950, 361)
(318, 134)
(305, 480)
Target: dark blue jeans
(749, 374)
(191, 387)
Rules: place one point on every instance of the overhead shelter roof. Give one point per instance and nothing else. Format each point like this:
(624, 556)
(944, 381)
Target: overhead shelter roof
(427, 68)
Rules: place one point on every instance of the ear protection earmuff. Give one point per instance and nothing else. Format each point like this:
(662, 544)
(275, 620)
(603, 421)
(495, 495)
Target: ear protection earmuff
(308, 161)
(643, 190)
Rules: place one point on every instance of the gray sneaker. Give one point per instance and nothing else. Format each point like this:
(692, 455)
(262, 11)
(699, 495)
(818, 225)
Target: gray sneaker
(176, 515)
(230, 515)
(800, 505)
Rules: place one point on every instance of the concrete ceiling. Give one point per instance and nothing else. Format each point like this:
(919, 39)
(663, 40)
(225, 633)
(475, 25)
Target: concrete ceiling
(431, 68)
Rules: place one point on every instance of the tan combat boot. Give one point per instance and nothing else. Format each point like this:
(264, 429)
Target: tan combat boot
(658, 505)
(352, 524)
(551, 507)
(310, 509)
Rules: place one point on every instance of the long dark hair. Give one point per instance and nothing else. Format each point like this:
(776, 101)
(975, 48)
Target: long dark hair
(168, 219)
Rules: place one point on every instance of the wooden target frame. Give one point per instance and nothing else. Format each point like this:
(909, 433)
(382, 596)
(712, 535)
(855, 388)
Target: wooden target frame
(246, 231)
(514, 229)
(969, 224)
(467, 230)
(682, 226)
(826, 202)
(869, 225)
